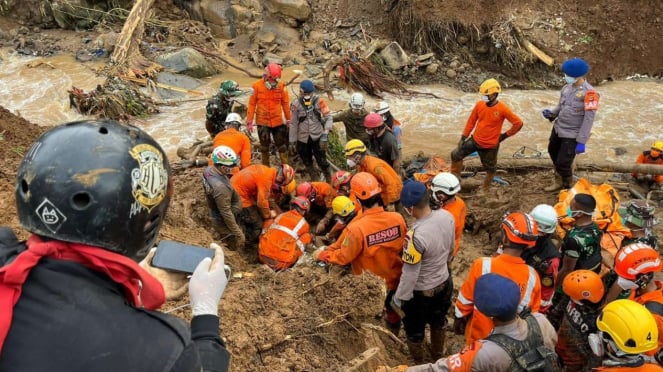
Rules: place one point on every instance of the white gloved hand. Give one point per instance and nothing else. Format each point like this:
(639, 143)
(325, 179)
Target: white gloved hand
(208, 283)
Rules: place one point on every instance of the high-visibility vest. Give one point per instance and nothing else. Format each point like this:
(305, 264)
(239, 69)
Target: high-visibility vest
(282, 244)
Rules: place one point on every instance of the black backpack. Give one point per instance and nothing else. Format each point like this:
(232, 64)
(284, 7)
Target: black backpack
(530, 354)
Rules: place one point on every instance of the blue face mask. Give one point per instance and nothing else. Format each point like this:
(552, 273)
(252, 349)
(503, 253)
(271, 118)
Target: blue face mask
(570, 80)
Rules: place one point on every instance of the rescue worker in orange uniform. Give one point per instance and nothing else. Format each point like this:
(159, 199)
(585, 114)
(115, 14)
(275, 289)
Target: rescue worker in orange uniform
(529, 340)
(236, 140)
(519, 232)
(627, 331)
(268, 104)
(390, 182)
(585, 289)
(255, 184)
(651, 156)
(321, 195)
(285, 239)
(483, 129)
(344, 212)
(373, 242)
(444, 194)
(636, 264)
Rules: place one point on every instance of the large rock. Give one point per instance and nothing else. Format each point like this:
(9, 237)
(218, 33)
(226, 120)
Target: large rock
(217, 16)
(297, 9)
(177, 81)
(394, 56)
(285, 35)
(187, 61)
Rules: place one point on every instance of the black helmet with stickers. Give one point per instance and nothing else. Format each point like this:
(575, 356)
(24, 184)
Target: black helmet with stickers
(95, 182)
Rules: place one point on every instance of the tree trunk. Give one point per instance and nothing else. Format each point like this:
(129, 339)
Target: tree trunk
(127, 50)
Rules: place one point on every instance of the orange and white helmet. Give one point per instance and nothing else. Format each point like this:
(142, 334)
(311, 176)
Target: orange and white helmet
(364, 185)
(340, 178)
(637, 259)
(582, 285)
(520, 228)
(285, 171)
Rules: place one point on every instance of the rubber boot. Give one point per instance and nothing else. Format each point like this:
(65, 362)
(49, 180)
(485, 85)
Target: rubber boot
(456, 167)
(556, 185)
(264, 155)
(437, 337)
(284, 156)
(328, 174)
(567, 182)
(416, 351)
(488, 180)
(313, 173)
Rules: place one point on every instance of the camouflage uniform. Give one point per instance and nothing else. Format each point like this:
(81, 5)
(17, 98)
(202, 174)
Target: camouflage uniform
(217, 110)
(572, 347)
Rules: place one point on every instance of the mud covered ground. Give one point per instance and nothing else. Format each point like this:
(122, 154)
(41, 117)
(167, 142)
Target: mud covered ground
(308, 318)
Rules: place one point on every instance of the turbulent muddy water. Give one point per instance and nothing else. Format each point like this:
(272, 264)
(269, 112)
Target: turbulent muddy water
(629, 115)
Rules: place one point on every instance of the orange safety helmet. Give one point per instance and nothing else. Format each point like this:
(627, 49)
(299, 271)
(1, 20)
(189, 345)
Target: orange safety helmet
(373, 120)
(340, 178)
(302, 203)
(287, 172)
(364, 185)
(637, 259)
(273, 71)
(305, 189)
(584, 285)
(520, 228)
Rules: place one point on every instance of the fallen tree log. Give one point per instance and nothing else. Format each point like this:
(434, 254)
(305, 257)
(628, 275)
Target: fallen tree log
(514, 163)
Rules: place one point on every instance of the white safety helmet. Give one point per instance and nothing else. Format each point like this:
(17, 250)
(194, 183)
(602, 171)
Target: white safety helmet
(546, 217)
(445, 183)
(224, 155)
(234, 118)
(357, 101)
(382, 108)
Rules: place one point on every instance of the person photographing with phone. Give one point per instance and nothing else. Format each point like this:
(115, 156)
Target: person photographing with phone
(73, 297)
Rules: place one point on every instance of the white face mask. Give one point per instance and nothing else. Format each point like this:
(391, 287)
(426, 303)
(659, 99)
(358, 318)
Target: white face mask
(485, 99)
(351, 163)
(596, 344)
(626, 284)
(570, 80)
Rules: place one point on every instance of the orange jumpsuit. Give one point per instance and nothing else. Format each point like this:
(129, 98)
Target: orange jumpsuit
(238, 142)
(487, 124)
(655, 297)
(389, 180)
(324, 194)
(269, 105)
(284, 241)
(457, 208)
(373, 242)
(254, 184)
(514, 268)
(645, 158)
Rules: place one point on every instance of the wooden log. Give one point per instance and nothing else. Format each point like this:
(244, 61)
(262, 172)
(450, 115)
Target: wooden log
(601, 166)
(541, 55)
(357, 362)
(128, 43)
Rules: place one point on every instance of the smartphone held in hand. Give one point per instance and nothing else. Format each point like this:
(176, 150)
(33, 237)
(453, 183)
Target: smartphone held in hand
(179, 257)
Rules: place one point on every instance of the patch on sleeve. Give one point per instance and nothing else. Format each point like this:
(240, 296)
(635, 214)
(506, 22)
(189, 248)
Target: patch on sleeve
(591, 100)
(547, 281)
(410, 254)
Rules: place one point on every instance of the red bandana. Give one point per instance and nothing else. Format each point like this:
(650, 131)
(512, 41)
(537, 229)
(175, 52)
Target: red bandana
(141, 288)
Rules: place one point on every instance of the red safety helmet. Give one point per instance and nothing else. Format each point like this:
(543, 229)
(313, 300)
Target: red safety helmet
(301, 203)
(340, 178)
(373, 120)
(520, 228)
(273, 71)
(287, 172)
(306, 190)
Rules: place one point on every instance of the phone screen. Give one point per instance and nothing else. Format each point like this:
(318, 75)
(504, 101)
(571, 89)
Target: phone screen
(179, 257)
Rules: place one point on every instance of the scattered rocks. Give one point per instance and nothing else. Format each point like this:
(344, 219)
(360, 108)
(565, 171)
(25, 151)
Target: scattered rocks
(312, 70)
(265, 37)
(432, 68)
(451, 73)
(297, 9)
(394, 56)
(187, 61)
(271, 58)
(454, 64)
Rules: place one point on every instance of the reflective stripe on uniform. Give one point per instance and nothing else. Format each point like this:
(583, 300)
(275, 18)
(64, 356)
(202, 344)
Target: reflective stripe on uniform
(545, 303)
(531, 281)
(485, 265)
(294, 233)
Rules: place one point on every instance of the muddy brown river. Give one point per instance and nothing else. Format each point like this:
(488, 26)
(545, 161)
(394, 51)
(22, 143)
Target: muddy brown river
(630, 113)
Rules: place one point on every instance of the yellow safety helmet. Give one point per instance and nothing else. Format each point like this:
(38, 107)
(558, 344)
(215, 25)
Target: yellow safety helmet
(630, 325)
(489, 87)
(658, 146)
(354, 146)
(342, 206)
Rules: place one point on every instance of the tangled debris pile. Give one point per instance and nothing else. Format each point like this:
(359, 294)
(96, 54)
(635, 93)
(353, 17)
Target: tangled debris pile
(116, 99)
